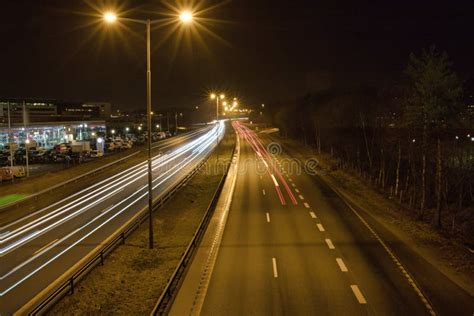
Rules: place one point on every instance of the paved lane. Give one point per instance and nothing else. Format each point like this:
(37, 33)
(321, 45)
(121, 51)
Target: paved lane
(36, 252)
(278, 257)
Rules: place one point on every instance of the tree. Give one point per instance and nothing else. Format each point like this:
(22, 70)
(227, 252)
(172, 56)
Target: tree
(433, 104)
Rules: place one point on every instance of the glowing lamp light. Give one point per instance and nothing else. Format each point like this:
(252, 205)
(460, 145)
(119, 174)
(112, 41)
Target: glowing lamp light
(186, 17)
(100, 140)
(213, 96)
(110, 17)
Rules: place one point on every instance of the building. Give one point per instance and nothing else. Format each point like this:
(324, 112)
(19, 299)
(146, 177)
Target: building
(49, 122)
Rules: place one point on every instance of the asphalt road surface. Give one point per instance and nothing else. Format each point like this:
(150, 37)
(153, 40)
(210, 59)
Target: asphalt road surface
(292, 246)
(37, 249)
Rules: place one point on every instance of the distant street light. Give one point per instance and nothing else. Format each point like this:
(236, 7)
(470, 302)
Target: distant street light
(185, 17)
(214, 96)
(110, 17)
(112, 131)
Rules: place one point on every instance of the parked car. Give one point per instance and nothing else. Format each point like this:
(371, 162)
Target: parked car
(168, 134)
(18, 171)
(96, 154)
(6, 174)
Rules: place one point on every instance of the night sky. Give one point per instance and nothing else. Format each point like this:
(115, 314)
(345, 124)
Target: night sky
(267, 51)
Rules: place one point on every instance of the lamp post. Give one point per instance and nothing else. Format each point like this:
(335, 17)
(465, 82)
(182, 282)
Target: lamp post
(185, 17)
(217, 97)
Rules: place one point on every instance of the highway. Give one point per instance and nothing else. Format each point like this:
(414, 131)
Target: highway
(292, 246)
(37, 249)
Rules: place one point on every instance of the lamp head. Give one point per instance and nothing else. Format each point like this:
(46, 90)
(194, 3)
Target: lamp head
(110, 17)
(186, 17)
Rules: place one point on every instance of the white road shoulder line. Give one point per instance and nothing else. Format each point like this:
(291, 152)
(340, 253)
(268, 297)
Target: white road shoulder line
(274, 180)
(358, 294)
(275, 270)
(329, 243)
(313, 215)
(341, 264)
(268, 218)
(320, 227)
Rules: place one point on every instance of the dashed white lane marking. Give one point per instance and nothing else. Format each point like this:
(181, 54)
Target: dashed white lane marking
(263, 191)
(268, 218)
(358, 294)
(107, 209)
(274, 180)
(410, 280)
(289, 179)
(301, 197)
(329, 243)
(306, 205)
(341, 264)
(297, 191)
(312, 214)
(261, 177)
(294, 185)
(275, 270)
(44, 247)
(320, 227)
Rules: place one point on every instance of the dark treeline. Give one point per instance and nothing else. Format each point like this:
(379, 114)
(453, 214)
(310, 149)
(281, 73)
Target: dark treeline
(410, 140)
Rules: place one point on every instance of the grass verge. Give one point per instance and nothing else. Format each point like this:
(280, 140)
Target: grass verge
(11, 198)
(134, 276)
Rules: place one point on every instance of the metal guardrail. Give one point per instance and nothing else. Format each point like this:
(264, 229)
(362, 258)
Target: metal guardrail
(68, 285)
(163, 304)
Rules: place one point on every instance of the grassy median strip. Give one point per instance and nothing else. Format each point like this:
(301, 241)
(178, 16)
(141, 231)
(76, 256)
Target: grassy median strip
(134, 276)
(10, 198)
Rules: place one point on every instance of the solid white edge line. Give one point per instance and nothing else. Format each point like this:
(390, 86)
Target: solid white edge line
(358, 294)
(275, 269)
(274, 180)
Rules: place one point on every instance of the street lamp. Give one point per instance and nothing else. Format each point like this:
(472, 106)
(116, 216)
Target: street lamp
(222, 97)
(185, 17)
(27, 143)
